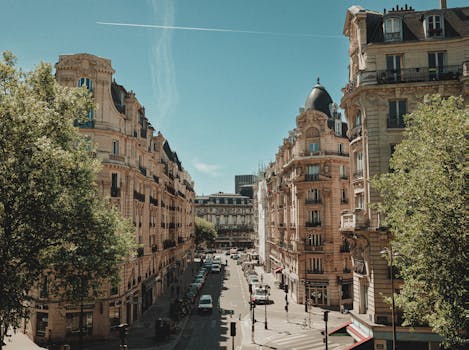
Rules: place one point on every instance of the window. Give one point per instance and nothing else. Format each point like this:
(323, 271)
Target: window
(313, 148)
(314, 218)
(343, 195)
(42, 321)
(397, 109)
(114, 180)
(393, 68)
(313, 196)
(360, 201)
(338, 127)
(115, 147)
(434, 26)
(312, 172)
(316, 265)
(392, 29)
(340, 149)
(72, 323)
(358, 119)
(359, 161)
(314, 240)
(86, 82)
(343, 172)
(436, 64)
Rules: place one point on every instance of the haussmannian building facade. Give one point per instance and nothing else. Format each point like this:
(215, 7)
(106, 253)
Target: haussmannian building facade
(396, 58)
(232, 215)
(145, 180)
(305, 190)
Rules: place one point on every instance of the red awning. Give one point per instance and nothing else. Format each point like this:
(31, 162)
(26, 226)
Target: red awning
(340, 329)
(278, 269)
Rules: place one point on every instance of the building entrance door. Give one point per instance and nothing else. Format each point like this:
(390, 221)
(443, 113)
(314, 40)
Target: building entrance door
(318, 295)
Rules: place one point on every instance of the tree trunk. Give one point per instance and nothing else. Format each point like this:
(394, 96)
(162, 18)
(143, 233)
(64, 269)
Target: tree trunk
(81, 325)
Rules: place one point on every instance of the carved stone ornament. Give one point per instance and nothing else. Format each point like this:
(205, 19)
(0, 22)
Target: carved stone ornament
(359, 245)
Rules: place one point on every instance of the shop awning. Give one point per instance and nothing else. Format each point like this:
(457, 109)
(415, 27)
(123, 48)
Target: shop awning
(278, 269)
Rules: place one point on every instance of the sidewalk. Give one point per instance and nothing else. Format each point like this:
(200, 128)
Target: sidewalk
(142, 332)
(280, 324)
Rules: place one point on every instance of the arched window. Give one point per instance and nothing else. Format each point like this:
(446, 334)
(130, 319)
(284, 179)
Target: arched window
(312, 141)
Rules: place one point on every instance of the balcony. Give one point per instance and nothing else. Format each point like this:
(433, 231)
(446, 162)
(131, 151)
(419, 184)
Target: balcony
(154, 248)
(156, 179)
(395, 122)
(351, 222)
(311, 177)
(343, 201)
(116, 158)
(143, 170)
(314, 248)
(115, 192)
(85, 125)
(418, 74)
(313, 224)
(356, 132)
(315, 272)
(358, 174)
(169, 243)
(312, 201)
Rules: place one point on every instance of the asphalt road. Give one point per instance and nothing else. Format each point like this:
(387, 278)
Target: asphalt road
(229, 291)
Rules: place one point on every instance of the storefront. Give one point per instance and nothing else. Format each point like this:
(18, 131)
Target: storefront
(317, 292)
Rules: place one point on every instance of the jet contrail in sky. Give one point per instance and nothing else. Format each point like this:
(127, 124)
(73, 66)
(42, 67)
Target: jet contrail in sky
(220, 30)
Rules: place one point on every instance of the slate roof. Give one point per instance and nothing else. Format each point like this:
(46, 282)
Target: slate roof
(456, 23)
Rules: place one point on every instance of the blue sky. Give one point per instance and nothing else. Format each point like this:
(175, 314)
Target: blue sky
(224, 100)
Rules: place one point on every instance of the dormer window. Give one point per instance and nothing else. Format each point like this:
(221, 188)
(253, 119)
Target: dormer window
(434, 26)
(392, 29)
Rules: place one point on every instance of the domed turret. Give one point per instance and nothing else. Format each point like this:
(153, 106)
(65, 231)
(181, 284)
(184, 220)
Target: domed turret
(319, 100)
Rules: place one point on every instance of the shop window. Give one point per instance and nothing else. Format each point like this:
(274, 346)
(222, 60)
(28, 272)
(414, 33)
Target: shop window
(72, 323)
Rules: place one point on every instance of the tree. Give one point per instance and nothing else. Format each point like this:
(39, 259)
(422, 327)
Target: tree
(423, 200)
(50, 211)
(204, 231)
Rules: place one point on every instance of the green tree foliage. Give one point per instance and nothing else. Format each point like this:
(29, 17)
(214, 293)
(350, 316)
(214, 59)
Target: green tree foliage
(423, 200)
(51, 217)
(204, 231)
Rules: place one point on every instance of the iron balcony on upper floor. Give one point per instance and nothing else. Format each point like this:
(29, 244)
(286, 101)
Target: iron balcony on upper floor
(405, 75)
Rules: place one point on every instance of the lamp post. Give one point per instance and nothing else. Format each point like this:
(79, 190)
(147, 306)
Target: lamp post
(267, 291)
(389, 252)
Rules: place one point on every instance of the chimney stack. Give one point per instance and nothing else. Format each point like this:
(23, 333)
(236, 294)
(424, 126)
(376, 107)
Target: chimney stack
(442, 4)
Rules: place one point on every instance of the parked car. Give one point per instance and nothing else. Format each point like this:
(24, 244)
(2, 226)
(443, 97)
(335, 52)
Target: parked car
(200, 280)
(253, 280)
(205, 303)
(235, 256)
(216, 268)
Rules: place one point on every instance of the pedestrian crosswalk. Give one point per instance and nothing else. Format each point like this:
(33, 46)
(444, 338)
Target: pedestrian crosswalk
(304, 341)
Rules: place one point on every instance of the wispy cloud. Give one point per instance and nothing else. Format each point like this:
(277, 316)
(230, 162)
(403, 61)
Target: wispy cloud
(209, 169)
(223, 30)
(161, 64)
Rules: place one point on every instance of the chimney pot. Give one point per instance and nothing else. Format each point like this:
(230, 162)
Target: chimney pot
(443, 4)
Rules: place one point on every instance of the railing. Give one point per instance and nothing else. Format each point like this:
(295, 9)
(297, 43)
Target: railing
(346, 270)
(358, 174)
(343, 177)
(154, 248)
(116, 157)
(142, 170)
(312, 201)
(181, 240)
(343, 201)
(418, 74)
(139, 252)
(313, 224)
(311, 177)
(315, 272)
(156, 179)
(169, 243)
(395, 36)
(143, 133)
(314, 248)
(115, 192)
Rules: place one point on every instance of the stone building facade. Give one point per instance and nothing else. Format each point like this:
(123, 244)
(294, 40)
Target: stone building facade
(232, 215)
(396, 58)
(144, 179)
(307, 187)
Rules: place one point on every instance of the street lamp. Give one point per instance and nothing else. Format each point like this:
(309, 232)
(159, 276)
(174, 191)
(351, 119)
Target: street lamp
(267, 291)
(390, 254)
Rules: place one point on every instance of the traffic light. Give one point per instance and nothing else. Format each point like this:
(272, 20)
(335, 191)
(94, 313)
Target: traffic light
(286, 308)
(285, 288)
(250, 288)
(233, 329)
(326, 316)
